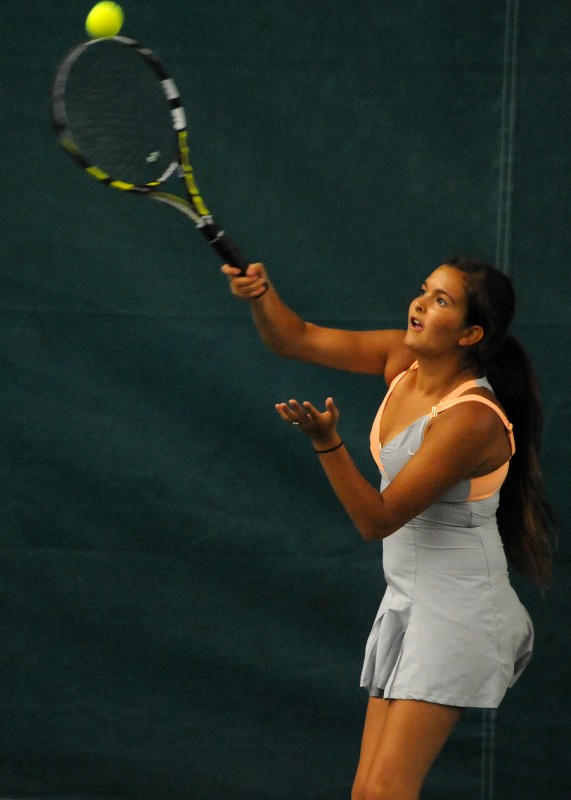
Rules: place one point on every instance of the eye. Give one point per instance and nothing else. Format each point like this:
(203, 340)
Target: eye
(441, 301)
(422, 292)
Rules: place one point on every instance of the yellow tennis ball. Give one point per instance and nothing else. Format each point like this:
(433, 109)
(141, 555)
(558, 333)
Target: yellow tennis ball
(104, 19)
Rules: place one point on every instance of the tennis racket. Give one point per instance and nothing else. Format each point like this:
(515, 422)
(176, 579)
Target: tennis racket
(119, 115)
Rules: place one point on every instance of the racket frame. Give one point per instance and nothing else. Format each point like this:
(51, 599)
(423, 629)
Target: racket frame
(193, 205)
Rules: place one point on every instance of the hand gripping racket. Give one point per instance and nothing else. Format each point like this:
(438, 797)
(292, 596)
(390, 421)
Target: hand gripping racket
(118, 114)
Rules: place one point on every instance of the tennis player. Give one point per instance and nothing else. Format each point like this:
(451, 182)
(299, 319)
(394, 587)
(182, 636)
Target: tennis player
(456, 442)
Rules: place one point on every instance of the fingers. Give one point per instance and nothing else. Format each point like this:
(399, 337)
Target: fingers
(332, 408)
(309, 419)
(250, 286)
(293, 412)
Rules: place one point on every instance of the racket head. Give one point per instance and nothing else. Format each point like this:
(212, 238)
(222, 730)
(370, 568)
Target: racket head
(118, 113)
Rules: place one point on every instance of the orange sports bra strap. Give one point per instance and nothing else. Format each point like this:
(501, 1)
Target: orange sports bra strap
(472, 384)
(377, 422)
(396, 380)
(466, 398)
(375, 429)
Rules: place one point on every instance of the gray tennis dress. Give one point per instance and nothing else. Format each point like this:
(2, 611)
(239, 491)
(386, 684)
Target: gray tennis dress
(450, 628)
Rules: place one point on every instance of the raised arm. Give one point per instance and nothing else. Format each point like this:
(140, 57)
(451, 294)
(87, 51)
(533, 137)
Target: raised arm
(375, 352)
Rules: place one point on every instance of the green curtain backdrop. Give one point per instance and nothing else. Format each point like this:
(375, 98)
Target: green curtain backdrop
(184, 606)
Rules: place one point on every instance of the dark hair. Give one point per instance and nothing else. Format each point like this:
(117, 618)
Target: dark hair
(524, 517)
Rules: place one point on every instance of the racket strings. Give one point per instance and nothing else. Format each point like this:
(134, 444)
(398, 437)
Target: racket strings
(118, 116)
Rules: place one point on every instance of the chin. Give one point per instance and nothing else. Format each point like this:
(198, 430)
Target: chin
(410, 341)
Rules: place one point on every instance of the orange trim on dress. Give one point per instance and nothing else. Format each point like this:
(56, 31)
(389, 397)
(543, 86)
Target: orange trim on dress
(480, 488)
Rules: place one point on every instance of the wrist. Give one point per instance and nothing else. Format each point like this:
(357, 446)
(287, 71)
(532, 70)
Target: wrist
(322, 447)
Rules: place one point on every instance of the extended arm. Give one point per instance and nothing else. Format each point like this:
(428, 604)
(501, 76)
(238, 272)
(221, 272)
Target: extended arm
(376, 352)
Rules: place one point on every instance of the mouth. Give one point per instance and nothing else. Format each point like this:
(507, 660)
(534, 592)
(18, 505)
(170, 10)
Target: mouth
(415, 324)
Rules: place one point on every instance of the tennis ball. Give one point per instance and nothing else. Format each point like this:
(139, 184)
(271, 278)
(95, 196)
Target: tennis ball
(104, 19)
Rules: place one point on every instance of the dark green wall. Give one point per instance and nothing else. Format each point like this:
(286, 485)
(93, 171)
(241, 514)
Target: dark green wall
(184, 606)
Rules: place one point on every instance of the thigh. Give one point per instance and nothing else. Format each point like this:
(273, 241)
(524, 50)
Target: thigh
(413, 734)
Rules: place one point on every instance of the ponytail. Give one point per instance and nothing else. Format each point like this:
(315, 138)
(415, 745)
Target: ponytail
(524, 517)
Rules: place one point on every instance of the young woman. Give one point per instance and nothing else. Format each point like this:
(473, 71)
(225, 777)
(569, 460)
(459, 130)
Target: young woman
(450, 632)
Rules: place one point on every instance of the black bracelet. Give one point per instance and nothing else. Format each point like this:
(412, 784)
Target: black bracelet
(330, 450)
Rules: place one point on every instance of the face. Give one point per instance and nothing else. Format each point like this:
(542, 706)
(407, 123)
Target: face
(436, 321)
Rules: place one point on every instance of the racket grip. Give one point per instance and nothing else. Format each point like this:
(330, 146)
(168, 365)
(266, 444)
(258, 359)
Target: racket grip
(222, 243)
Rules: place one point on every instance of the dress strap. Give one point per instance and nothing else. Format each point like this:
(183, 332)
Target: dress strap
(471, 384)
(452, 400)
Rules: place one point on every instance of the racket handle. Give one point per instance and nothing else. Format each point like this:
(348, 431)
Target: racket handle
(222, 243)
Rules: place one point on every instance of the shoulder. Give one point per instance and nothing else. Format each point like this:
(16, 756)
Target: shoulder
(471, 434)
(482, 401)
(471, 419)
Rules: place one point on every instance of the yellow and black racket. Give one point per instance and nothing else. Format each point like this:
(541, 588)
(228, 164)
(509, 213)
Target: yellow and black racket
(118, 114)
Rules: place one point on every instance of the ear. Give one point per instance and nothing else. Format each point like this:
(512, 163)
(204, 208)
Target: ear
(471, 336)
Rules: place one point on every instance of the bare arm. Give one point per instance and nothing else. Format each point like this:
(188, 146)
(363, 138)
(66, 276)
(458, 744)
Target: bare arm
(376, 352)
(459, 444)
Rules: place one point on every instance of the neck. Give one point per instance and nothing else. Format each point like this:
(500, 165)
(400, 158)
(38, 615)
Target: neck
(440, 375)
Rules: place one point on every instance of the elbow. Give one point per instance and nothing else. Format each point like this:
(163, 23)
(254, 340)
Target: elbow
(292, 344)
(373, 531)
(372, 520)
(285, 349)
(377, 524)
